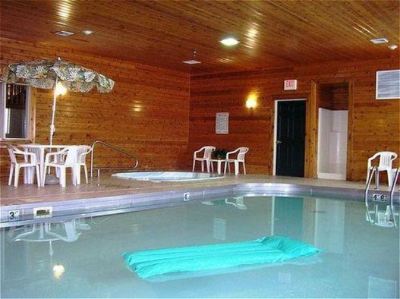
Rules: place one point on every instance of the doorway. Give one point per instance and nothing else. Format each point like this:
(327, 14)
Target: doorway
(333, 99)
(289, 137)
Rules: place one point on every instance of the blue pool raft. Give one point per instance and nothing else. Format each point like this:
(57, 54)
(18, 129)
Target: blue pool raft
(267, 250)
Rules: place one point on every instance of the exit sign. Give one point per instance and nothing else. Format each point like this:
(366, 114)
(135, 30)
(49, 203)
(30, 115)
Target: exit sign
(290, 85)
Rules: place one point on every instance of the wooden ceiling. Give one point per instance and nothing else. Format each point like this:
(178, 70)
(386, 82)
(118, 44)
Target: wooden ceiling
(164, 33)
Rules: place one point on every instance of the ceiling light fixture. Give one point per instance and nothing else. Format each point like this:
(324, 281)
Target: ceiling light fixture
(87, 32)
(192, 61)
(229, 41)
(392, 47)
(64, 33)
(379, 40)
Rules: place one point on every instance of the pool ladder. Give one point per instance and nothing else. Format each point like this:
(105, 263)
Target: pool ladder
(371, 174)
(114, 148)
(390, 208)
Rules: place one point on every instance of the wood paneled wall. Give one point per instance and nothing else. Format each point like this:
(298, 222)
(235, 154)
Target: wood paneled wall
(334, 96)
(146, 114)
(373, 125)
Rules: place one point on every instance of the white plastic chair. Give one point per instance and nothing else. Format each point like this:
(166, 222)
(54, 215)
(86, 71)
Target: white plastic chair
(385, 164)
(30, 163)
(61, 160)
(241, 153)
(82, 151)
(205, 158)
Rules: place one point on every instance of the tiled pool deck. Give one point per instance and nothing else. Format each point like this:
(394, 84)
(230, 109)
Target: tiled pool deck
(112, 195)
(109, 186)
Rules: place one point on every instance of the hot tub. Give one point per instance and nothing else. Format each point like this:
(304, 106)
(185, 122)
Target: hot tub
(167, 176)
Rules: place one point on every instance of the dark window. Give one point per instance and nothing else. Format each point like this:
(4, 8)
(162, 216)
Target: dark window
(15, 112)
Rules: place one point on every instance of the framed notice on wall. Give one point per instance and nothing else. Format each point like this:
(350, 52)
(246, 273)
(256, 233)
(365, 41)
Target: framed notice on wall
(222, 123)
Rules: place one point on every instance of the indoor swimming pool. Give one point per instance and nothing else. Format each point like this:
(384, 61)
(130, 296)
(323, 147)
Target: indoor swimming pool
(82, 257)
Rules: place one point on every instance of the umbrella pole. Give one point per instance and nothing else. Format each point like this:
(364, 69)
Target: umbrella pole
(53, 113)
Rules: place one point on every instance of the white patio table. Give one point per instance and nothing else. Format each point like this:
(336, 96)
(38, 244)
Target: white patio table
(219, 164)
(41, 149)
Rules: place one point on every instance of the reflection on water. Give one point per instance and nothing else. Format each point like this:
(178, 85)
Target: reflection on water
(382, 214)
(82, 257)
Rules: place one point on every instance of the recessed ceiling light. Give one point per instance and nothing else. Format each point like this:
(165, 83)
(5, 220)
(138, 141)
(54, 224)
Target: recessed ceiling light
(192, 61)
(87, 32)
(229, 41)
(64, 33)
(225, 60)
(392, 47)
(379, 40)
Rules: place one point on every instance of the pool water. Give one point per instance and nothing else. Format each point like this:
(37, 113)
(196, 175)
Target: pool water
(82, 257)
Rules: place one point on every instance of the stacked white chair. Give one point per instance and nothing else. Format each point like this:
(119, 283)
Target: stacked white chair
(61, 160)
(73, 157)
(203, 155)
(30, 164)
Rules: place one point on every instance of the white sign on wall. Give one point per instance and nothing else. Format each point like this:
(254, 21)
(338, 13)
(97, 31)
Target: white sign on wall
(222, 123)
(290, 85)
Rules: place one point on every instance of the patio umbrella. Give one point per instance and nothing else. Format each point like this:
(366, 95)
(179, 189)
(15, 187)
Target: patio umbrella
(58, 75)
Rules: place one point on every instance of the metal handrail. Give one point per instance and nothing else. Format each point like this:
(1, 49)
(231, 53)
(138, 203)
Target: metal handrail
(394, 183)
(113, 147)
(371, 172)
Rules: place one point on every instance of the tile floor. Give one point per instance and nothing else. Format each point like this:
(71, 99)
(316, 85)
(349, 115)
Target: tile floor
(109, 186)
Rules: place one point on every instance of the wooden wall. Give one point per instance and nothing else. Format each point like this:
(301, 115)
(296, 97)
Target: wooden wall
(334, 96)
(373, 126)
(147, 113)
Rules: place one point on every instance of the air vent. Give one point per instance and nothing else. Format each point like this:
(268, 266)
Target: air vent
(191, 61)
(379, 40)
(388, 84)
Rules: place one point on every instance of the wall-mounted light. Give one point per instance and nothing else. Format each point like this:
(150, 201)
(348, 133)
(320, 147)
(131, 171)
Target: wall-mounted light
(251, 101)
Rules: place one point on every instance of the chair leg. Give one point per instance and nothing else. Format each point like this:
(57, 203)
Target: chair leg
(38, 176)
(225, 166)
(11, 174)
(236, 163)
(62, 177)
(16, 175)
(390, 177)
(43, 178)
(377, 179)
(29, 174)
(194, 163)
(202, 166)
(86, 173)
(77, 175)
(244, 168)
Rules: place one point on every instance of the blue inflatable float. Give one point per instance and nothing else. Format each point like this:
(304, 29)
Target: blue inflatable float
(267, 250)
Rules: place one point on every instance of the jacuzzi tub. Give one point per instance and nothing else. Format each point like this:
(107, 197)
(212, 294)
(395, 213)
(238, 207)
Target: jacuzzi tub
(167, 176)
